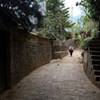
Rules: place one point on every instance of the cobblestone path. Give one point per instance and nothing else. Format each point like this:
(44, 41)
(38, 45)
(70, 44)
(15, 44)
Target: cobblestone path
(61, 79)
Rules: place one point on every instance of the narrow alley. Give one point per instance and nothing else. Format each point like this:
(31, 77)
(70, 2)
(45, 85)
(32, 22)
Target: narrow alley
(61, 79)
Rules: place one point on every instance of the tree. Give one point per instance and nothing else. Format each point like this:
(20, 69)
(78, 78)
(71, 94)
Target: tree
(89, 24)
(24, 13)
(57, 20)
(92, 9)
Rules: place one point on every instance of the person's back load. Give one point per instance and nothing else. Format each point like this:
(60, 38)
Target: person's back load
(71, 49)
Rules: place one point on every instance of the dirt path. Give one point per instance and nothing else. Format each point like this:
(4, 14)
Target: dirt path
(61, 79)
(76, 58)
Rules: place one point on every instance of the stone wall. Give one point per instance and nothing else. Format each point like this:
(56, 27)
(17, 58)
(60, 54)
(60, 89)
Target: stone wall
(70, 42)
(85, 60)
(27, 52)
(60, 48)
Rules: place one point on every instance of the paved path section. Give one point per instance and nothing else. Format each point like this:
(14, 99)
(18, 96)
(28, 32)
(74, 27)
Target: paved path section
(61, 79)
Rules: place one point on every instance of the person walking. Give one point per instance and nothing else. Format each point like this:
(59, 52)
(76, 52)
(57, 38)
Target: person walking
(71, 50)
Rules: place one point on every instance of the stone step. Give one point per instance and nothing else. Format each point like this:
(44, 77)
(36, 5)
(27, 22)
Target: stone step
(95, 40)
(94, 52)
(94, 44)
(96, 67)
(97, 78)
(94, 48)
(95, 56)
(97, 72)
(95, 61)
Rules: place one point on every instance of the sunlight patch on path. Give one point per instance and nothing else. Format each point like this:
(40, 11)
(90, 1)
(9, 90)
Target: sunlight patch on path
(76, 58)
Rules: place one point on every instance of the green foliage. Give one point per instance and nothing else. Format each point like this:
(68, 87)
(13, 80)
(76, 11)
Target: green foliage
(89, 24)
(26, 14)
(84, 43)
(84, 31)
(91, 8)
(57, 19)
